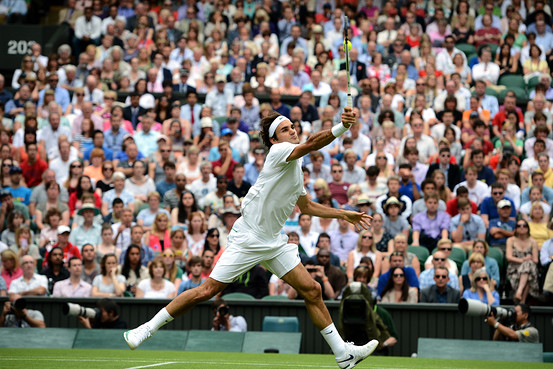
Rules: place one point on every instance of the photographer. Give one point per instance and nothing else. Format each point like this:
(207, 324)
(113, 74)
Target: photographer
(106, 318)
(15, 314)
(223, 321)
(521, 331)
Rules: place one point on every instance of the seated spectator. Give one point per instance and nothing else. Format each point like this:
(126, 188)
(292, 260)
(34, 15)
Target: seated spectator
(462, 193)
(481, 289)
(158, 238)
(404, 202)
(489, 208)
(49, 234)
(107, 245)
(24, 243)
(323, 242)
(440, 292)
(439, 259)
(522, 263)
(430, 226)
(223, 321)
(173, 273)
(20, 193)
(88, 232)
(480, 246)
(196, 234)
(502, 227)
(73, 286)
(156, 286)
(397, 260)
(316, 272)
(546, 256)
(394, 223)
(187, 205)
(69, 249)
(365, 248)
(465, 225)
(55, 270)
(409, 259)
(538, 224)
(428, 187)
(343, 240)
(30, 283)
(397, 288)
(336, 276)
(139, 184)
(84, 186)
(475, 262)
(108, 283)
(10, 267)
(15, 220)
(146, 216)
(381, 237)
(445, 245)
(131, 268)
(53, 200)
(195, 277)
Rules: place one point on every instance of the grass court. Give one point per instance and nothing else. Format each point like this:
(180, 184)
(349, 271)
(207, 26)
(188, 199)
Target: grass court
(120, 359)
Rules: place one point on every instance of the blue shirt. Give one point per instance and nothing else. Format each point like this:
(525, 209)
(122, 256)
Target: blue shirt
(426, 279)
(61, 95)
(490, 208)
(485, 175)
(282, 110)
(251, 173)
(108, 154)
(491, 268)
(509, 225)
(546, 191)
(21, 194)
(471, 229)
(410, 274)
(114, 141)
(468, 294)
(407, 189)
(188, 285)
(148, 217)
(162, 187)
(490, 103)
(146, 141)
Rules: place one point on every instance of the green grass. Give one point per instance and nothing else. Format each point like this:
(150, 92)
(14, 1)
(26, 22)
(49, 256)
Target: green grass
(119, 359)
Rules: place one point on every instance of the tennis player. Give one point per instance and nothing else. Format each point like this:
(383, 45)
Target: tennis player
(257, 237)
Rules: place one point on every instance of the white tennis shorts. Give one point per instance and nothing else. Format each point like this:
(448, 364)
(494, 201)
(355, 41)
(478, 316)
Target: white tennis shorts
(245, 250)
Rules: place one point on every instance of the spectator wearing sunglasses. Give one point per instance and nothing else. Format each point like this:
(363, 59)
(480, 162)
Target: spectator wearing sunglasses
(428, 276)
(482, 289)
(440, 292)
(444, 245)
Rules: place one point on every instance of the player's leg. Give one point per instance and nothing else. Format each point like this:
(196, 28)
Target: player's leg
(347, 355)
(178, 306)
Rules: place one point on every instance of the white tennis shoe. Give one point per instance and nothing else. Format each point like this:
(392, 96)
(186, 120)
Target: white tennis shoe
(355, 354)
(136, 336)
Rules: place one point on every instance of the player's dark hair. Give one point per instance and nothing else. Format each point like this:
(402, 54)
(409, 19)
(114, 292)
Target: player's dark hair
(265, 125)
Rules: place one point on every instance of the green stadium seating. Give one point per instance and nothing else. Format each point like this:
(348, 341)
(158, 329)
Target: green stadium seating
(205, 341)
(281, 324)
(421, 253)
(520, 93)
(285, 343)
(220, 120)
(532, 83)
(493, 48)
(480, 350)
(497, 254)
(238, 296)
(274, 297)
(492, 92)
(467, 49)
(512, 81)
(38, 338)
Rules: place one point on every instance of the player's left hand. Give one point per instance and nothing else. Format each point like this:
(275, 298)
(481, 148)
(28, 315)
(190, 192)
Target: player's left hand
(359, 220)
(348, 117)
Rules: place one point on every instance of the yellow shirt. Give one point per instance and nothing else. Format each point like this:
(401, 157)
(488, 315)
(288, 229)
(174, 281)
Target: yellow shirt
(540, 232)
(548, 177)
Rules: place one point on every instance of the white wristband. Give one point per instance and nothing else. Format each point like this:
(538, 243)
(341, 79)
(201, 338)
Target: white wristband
(496, 325)
(339, 130)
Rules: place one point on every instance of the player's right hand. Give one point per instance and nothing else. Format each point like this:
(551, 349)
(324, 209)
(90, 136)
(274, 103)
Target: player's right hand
(348, 117)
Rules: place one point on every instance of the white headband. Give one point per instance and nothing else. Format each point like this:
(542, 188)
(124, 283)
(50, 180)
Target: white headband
(274, 125)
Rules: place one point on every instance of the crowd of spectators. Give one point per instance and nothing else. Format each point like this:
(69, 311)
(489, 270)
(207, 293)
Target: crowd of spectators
(126, 153)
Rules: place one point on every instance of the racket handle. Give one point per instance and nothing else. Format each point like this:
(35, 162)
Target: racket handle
(349, 101)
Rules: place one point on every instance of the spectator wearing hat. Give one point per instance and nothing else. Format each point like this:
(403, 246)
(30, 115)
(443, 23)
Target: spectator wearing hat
(19, 192)
(69, 250)
(502, 227)
(220, 99)
(229, 215)
(393, 222)
(226, 135)
(88, 232)
(183, 85)
(489, 207)
(252, 169)
(393, 191)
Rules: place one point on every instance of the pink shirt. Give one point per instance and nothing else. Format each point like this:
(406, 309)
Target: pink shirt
(9, 278)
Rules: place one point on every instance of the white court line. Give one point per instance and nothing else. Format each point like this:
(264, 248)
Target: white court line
(149, 366)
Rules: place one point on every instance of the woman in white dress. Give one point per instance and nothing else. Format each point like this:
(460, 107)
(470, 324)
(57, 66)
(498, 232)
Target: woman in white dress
(156, 287)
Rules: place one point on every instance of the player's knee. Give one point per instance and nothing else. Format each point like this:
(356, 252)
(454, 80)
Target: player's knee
(313, 293)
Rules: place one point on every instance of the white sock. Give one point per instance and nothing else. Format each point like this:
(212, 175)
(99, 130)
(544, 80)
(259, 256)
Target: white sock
(334, 340)
(159, 320)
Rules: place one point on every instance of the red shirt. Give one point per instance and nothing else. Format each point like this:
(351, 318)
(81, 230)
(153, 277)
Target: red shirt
(339, 192)
(451, 207)
(33, 173)
(501, 116)
(219, 163)
(488, 146)
(68, 252)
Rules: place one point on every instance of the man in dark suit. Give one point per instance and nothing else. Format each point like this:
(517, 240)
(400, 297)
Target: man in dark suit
(452, 171)
(133, 111)
(139, 11)
(357, 70)
(440, 292)
(183, 85)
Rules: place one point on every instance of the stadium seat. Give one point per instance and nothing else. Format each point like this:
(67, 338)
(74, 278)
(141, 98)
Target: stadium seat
(238, 296)
(519, 92)
(511, 81)
(468, 49)
(281, 324)
(493, 48)
(281, 342)
(472, 59)
(274, 297)
(497, 254)
(220, 120)
(532, 83)
(421, 253)
(491, 92)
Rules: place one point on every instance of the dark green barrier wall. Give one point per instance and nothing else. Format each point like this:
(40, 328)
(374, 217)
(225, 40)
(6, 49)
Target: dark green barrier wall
(412, 321)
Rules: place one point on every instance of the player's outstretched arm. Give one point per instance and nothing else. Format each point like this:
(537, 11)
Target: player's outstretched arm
(359, 220)
(323, 138)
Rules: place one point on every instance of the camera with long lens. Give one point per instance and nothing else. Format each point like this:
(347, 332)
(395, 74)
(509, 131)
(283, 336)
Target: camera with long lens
(18, 304)
(71, 309)
(476, 308)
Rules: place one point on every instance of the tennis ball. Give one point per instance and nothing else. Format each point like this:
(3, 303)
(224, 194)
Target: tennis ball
(349, 46)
